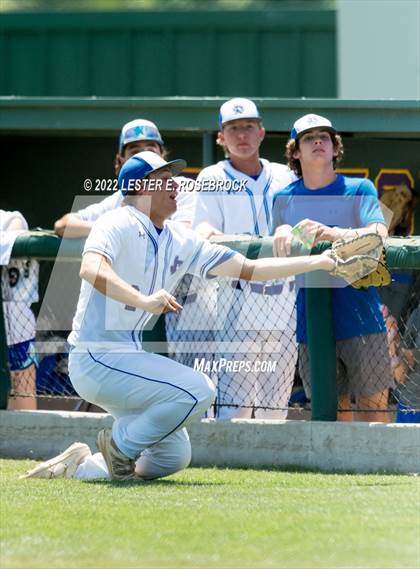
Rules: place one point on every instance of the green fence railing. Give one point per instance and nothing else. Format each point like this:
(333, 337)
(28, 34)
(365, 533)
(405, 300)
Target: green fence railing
(401, 253)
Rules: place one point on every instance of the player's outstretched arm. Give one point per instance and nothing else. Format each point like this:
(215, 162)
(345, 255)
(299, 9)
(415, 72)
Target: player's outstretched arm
(71, 226)
(97, 270)
(239, 266)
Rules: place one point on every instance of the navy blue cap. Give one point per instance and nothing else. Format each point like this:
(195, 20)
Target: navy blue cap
(142, 165)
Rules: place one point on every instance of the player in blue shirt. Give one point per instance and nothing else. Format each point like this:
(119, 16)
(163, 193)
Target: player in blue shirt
(323, 205)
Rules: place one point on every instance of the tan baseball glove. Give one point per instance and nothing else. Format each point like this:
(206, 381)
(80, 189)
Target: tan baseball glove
(361, 261)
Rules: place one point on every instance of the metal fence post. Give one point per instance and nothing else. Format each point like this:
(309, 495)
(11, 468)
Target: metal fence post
(321, 344)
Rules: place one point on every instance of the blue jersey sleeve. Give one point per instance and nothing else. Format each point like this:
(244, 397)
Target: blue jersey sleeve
(370, 207)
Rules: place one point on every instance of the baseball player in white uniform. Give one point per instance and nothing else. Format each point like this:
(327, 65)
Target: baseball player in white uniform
(257, 319)
(19, 284)
(133, 259)
(136, 136)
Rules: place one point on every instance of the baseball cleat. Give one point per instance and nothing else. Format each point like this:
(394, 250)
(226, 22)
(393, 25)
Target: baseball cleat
(62, 466)
(120, 466)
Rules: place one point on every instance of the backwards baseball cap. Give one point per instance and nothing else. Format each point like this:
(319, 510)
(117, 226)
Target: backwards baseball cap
(139, 129)
(238, 108)
(308, 122)
(142, 165)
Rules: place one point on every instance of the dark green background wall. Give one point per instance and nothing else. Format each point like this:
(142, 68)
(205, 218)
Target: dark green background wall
(44, 174)
(49, 146)
(272, 53)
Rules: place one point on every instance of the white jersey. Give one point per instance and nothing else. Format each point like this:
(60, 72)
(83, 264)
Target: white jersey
(12, 224)
(6, 217)
(148, 261)
(19, 287)
(248, 210)
(19, 281)
(185, 204)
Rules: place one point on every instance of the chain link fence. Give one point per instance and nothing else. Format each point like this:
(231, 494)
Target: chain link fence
(241, 334)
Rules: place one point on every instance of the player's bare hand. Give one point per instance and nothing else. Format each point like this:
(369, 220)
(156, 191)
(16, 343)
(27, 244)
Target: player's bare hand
(162, 301)
(313, 232)
(326, 233)
(328, 262)
(308, 232)
(282, 243)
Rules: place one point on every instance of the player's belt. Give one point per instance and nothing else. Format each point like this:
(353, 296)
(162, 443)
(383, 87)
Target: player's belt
(260, 288)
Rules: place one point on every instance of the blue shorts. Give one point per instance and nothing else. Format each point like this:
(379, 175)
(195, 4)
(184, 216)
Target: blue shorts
(22, 355)
(406, 415)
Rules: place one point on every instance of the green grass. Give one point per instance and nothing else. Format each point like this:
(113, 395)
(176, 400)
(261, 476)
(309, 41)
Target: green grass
(233, 518)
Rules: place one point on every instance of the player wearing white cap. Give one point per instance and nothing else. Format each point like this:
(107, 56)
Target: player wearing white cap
(322, 205)
(136, 136)
(256, 318)
(133, 259)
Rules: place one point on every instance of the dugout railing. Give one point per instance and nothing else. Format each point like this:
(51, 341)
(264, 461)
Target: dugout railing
(403, 257)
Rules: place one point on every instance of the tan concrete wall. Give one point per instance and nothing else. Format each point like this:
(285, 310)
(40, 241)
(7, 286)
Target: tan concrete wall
(361, 447)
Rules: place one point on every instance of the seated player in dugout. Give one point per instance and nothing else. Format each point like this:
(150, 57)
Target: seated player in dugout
(133, 259)
(322, 205)
(136, 136)
(19, 284)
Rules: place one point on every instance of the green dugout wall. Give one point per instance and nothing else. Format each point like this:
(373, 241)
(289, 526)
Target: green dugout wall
(273, 53)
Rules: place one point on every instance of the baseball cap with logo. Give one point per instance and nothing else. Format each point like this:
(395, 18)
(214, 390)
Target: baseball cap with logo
(308, 122)
(142, 165)
(139, 129)
(238, 108)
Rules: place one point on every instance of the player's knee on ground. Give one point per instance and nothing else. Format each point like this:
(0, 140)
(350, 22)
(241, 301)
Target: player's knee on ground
(169, 456)
(151, 468)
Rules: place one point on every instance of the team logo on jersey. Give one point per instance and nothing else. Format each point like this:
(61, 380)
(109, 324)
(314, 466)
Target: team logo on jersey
(238, 109)
(177, 263)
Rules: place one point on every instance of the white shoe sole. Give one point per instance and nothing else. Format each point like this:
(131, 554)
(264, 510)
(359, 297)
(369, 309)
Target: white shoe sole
(62, 466)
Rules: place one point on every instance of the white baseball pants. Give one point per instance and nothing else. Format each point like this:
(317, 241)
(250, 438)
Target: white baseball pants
(152, 399)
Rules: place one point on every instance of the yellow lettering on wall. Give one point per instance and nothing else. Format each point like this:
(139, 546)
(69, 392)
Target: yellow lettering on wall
(354, 172)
